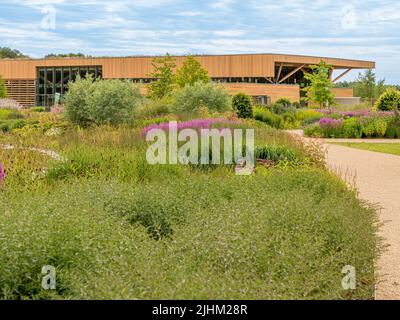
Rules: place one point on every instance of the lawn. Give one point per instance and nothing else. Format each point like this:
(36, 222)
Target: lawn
(391, 148)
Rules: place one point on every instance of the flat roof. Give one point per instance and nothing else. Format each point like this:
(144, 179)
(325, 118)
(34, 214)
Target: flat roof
(195, 55)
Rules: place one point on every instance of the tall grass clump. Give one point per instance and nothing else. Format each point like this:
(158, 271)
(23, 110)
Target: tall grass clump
(284, 235)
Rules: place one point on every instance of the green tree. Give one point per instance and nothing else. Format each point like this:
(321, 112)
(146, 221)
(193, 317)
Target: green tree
(163, 72)
(319, 90)
(210, 95)
(389, 100)
(8, 53)
(366, 87)
(191, 72)
(3, 89)
(242, 104)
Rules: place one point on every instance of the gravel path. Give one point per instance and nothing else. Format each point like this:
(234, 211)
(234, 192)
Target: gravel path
(377, 178)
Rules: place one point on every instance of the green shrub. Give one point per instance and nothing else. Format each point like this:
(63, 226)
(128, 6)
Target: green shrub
(18, 124)
(305, 114)
(373, 126)
(284, 102)
(272, 119)
(155, 208)
(113, 101)
(77, 106)
(3, 89)
(309, 121)
(4, 127)
(8, 114)
(352, 128)
(275, 153)
(242, 105)
(38, 109)
(154, 107)
(389, 101)
(191, 98)
(393, 129)
(101, 101)
(313, 131)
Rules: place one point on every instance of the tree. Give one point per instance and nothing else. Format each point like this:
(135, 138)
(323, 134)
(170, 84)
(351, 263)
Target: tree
(365, 87)
(191, 72)
(163, 72)
(8, 53)
(319, 90)
(209, 95)
(389, 100)
(242, 104)
(3, 89)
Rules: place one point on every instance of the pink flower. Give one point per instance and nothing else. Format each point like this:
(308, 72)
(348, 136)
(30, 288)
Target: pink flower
(2, 174)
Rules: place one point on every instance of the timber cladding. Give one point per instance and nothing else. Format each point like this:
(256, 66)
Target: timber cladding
(22, 91)
(244, 65)
(343, 92)
(274, 92)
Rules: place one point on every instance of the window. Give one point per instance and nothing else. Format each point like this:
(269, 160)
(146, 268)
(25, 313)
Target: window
(52, 80)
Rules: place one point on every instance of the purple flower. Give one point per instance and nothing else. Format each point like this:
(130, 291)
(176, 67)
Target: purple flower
(2, 174)
(330, 123)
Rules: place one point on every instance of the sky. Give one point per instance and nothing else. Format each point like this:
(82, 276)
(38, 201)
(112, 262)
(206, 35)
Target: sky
(366, 30)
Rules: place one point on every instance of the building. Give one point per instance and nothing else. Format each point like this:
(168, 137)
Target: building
(266, 77)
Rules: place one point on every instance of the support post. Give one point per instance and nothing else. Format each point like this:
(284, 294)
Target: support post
(291, 73)
(342, 75)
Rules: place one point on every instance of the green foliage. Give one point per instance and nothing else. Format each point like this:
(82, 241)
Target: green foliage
(209, 95)
(275, 153)
(285, 102)
(8, 53)
(152, 108)
(113, 101)
(191, 72)
(3, 89)
(8, 114)
(319, 90)
(101, 101)
(352, 128)
(373, 126)
(242, 105)
(281, 236)
(77, 99)
(38, 109)
(365, 86)
(306, 114)
(272, 119)
(368, 88)
(115, 227)
(389, 101)
(163, 72)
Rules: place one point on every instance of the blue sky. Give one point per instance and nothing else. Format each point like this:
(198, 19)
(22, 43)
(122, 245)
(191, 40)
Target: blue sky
(348, 29)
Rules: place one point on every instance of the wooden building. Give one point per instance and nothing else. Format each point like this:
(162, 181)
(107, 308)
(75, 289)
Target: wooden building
(266, 77)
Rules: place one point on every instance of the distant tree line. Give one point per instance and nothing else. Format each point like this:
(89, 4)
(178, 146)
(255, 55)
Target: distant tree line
(367, 86)
(66, 55)
(8, 53)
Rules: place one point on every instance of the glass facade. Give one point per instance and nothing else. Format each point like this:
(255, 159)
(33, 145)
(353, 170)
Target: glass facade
(54, 80)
